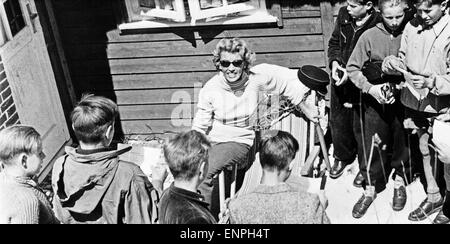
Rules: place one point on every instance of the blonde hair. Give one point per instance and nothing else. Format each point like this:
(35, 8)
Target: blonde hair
(234, 45)
(392, 3)
(18, 139)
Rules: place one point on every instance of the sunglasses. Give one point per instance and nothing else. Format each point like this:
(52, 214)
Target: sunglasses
(236, 63)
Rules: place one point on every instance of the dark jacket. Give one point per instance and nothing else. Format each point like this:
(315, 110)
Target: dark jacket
(179, 206)
(94, 186)
(346, 34)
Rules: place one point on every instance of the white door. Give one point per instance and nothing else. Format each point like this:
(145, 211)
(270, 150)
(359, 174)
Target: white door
(30, 74)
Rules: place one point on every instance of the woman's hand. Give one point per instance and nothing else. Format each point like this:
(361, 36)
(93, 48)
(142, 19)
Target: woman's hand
(335, 70)
(377, 93)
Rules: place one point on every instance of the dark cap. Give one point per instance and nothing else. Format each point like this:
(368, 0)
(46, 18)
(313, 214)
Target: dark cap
(314, 78)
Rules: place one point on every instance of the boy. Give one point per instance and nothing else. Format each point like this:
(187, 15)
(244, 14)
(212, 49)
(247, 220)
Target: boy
(21, 201)
(274, 201)
(187, 156)
(379, 114)
(424, 61)
(351, 22)
(90, 183)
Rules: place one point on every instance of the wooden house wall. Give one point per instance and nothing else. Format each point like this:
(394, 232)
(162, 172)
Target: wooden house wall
(145, 73)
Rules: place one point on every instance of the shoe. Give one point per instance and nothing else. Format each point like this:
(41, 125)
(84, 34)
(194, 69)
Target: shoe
(361, 206)
(399, 199)
(359, 180)
(425, 209)
(338, 169)
(441, 219)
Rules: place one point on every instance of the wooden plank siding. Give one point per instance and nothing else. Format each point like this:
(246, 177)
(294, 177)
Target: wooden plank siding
(153, 75)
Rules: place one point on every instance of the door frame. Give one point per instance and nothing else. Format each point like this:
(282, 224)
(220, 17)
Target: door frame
(57, 60)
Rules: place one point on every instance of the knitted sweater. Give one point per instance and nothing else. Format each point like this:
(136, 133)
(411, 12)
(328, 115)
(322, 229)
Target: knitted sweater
(279, 204)
(224, 112)
(22, 202)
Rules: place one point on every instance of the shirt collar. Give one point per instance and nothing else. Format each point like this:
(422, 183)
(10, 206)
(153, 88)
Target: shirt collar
(79, 150)
(193, 196)
(240, 85)
(266, 189)
(25, 181)
(441, 24)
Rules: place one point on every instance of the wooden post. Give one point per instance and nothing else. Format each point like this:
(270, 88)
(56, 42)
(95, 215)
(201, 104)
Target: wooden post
(326, 13)
(60, 49)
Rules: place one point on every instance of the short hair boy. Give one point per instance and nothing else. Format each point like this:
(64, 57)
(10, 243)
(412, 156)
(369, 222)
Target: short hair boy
(90, 183)
(21, 201)
(274, 201)
(424, 62)
(352, 20)
(187, 157)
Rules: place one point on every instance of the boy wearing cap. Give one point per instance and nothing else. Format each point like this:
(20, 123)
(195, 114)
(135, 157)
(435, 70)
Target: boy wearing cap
(352, 21)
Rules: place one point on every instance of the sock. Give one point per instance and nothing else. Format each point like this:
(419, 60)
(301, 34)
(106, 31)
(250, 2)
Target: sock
(398, 182)
(370, 192)
(434, 197)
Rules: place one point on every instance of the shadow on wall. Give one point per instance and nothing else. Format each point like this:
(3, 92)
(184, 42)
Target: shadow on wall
(84, 27)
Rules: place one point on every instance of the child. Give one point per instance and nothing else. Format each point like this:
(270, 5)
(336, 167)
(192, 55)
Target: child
(380, 114)
(424, 61)
(351, 22)
(274, 201)
(90, 183)
(187, 156)
(21, 200)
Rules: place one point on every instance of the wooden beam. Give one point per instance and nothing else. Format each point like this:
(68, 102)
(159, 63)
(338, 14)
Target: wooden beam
(326, 11)
(274, 8)
(60, 49)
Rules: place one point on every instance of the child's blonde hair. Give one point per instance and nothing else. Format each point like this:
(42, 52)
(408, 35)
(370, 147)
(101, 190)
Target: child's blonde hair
(18, 139)
(392, 3)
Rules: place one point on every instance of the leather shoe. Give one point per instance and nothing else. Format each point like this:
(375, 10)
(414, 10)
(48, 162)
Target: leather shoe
(441, 219)
(425, 209)
(361, 206)
(337, 169)
(359, 179)
(399, 199)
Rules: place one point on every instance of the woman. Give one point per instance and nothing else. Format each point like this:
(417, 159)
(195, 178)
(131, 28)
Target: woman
(229, 98)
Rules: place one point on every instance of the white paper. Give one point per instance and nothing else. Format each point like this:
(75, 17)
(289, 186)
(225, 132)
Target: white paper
(441, 132)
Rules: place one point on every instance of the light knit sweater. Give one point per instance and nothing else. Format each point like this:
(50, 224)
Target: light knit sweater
(278, 204)
(22, 202)
(224, 112)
